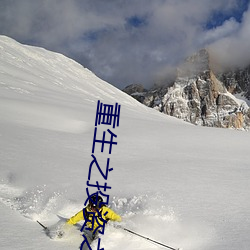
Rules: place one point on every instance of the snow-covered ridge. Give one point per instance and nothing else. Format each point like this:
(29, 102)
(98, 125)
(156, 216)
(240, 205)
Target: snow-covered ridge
(33, 74)
(33, 66)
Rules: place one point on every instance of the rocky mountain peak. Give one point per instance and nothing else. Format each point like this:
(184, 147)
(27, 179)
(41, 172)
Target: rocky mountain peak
(197, 64)
(200, 96)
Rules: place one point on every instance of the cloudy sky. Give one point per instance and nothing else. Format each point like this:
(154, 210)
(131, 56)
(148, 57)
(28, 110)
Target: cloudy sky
(131, 41)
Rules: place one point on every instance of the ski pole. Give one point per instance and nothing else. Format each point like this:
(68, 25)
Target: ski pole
(45, 228)
(159, 243)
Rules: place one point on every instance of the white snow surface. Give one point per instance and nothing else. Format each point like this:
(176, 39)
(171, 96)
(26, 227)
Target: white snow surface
(182, 185)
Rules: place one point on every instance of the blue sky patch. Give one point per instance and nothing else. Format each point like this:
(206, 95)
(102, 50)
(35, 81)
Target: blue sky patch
(136, 21)
(219, 17)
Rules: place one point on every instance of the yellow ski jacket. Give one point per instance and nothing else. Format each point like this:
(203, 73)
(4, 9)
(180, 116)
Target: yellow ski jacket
(105, 212)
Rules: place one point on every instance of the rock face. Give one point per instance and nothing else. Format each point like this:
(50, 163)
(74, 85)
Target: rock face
(202, 98)
(237, 81)
(137, 91)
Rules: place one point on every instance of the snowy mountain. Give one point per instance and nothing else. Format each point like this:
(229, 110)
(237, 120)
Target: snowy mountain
(201, 96)
(182, 185)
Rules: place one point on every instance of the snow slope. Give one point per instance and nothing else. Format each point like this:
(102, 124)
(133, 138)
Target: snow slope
(182, 185)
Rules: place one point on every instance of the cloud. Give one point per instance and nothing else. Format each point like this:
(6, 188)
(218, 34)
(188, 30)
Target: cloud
(228, 28)
(232, 50)
(121, 41)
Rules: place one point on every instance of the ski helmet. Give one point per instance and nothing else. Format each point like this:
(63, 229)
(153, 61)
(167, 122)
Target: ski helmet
(96, 201)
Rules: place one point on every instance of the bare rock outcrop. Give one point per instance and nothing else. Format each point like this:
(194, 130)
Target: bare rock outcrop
(201, 97)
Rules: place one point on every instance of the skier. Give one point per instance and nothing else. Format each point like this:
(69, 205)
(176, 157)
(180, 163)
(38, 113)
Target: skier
(95, 214)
